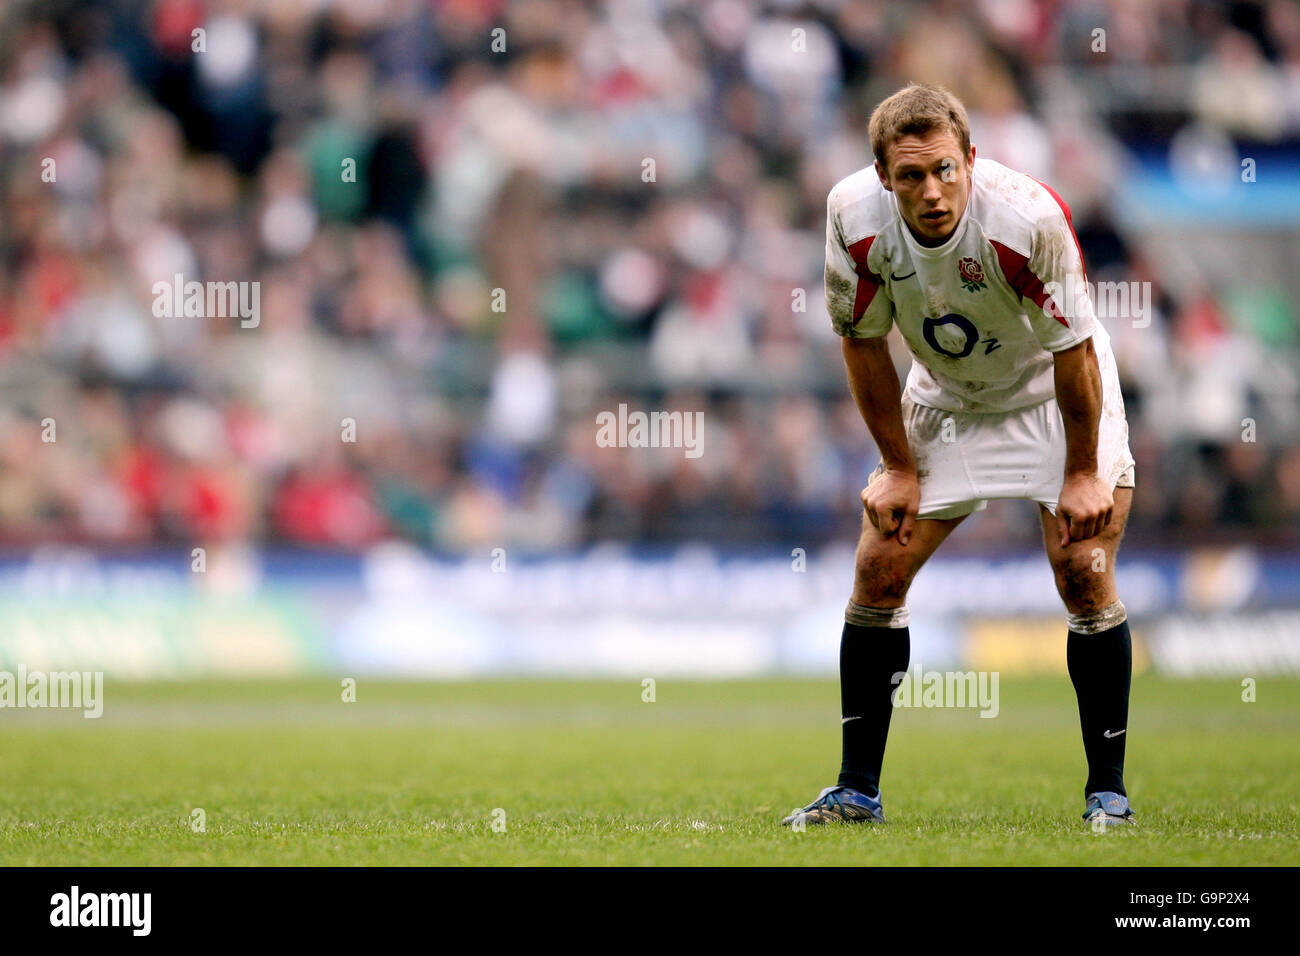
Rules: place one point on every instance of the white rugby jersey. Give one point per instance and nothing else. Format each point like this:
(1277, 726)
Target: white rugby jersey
(973, 311)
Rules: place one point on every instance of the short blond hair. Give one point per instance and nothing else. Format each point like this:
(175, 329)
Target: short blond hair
(914, 110)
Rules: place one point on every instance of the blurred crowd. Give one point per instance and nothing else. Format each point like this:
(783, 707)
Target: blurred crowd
(477, 224)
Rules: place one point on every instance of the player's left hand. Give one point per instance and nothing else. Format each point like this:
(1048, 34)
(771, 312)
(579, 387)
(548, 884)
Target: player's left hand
(1084, 509)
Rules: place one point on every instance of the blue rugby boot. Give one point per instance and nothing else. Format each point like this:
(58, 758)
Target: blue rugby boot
(1107, 809)
(839, 805)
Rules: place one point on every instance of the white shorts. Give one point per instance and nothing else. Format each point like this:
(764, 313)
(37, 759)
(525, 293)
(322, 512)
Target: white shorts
(964, 459)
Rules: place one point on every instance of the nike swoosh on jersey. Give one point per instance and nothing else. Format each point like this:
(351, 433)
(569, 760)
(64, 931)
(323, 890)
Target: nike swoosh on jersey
(901, 278)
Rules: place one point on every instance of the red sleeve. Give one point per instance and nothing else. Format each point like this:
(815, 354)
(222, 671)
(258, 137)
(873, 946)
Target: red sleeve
(868, 282)
(1021, 278)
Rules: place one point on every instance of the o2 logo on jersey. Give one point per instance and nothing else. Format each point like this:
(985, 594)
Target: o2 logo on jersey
(952, 335)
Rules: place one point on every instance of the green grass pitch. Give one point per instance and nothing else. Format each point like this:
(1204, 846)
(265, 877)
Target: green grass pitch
(587, 773)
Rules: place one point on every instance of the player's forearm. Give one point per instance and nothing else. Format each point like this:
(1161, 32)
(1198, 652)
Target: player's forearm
(874, 385)
(1078, 395)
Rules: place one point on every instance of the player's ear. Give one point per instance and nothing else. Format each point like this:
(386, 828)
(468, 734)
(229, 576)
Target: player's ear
(884, 180)
(971, 161)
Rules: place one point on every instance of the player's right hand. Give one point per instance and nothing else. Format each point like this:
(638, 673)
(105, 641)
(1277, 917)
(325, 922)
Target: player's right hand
(891, 503)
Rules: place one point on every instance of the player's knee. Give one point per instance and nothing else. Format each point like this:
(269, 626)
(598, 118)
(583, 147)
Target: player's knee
(880, 581)
(1084, 582)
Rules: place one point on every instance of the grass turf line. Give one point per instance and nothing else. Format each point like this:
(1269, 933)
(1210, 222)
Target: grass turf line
(587, 773)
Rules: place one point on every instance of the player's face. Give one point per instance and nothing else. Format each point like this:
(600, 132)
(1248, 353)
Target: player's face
(932, 179)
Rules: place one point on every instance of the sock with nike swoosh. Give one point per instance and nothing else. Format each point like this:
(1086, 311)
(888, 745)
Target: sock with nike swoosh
(874, 647)
(1099, 654)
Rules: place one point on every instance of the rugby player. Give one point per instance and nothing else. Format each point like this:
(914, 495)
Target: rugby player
(1012, 393)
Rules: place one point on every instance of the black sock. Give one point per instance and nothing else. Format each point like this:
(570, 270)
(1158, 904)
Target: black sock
(1101, 667)
(869, 659)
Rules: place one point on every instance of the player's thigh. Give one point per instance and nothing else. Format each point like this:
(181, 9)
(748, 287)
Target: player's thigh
(1085, 570)
(884, 568)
